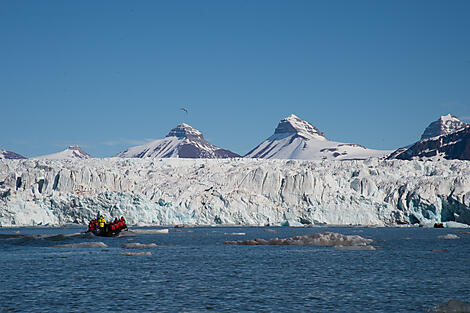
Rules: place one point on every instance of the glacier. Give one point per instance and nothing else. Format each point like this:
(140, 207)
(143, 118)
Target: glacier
(236, 191)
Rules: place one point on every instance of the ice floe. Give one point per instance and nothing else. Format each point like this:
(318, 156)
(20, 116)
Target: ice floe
(355, 248)
(455, 225)
(136, 245)
(150, 231)
(448, 236)
(98, 244)
(318, 239)
(136, 253)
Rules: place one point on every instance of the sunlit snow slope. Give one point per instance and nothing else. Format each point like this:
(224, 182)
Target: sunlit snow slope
(183, 141)
(295, 138)
(234, 191)
(72, 152)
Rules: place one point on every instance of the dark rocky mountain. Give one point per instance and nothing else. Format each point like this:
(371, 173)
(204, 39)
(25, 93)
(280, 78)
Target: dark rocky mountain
(183, 141)
(446, 124)
(448, 138)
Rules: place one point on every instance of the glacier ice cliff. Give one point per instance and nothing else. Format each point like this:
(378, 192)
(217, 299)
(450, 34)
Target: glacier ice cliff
(234, 191)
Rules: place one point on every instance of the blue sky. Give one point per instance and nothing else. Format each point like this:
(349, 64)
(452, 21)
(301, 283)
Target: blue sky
(108, 75)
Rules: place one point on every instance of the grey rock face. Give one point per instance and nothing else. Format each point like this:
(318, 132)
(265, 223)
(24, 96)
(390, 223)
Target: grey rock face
(78, 152)
(295, 125)
(185, 131)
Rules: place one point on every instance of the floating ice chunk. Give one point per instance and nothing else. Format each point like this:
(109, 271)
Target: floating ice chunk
(453, 306)
(136, 245)
(448, 236)
(98, 244)
(291, 223)
(235, 234)
(136, 253)
(366, 248)
(319, 239)
(269, 230)
(455, 225)
(142, 224)
(150, 231)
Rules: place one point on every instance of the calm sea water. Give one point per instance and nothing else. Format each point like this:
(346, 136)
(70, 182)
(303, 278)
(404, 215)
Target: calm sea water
(193, 271)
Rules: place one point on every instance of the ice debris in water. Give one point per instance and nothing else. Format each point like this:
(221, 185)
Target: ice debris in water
(136, 253)
(150, 231)
(448, 236)
(355, 248)
(98, 244)
(319, 239)
(453, 306)
(136, 245)
(455, 225)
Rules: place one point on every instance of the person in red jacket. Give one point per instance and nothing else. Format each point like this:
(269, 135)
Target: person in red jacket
(123, 222)
(91, 225)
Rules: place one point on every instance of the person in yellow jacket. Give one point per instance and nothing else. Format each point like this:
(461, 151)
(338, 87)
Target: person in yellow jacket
(102, 221)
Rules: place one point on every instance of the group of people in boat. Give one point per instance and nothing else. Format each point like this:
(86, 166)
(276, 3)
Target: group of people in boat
(99, 226)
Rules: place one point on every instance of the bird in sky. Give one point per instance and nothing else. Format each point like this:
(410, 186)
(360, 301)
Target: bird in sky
(185, 110)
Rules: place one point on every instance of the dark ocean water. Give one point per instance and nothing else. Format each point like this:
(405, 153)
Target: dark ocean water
(193, 271)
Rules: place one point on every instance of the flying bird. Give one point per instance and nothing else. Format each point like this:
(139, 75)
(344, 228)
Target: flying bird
(185, 110)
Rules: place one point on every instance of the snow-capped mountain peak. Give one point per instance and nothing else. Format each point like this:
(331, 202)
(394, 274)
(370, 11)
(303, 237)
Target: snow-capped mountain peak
(446, 124)
(185, 131)
(72, 152)
(295, 138)
(183, 141)
(295, 125)
(447, 138)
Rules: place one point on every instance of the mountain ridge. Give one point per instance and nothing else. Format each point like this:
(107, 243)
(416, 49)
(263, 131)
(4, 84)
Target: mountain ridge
(446, 124)
(6, 154)
(72, 152)
(183, 141)
(447, 138)
(295, 138)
